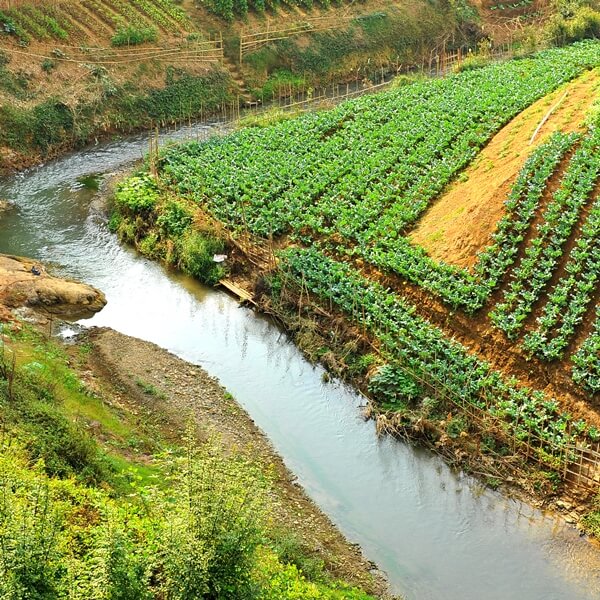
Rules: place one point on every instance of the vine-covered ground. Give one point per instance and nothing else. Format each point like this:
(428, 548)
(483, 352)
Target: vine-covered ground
(504, 354)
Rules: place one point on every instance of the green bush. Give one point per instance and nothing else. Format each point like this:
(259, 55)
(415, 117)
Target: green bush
(48, 65)
(136, 195)
(15, 84)
(281, 81)
(393, 385)
(64, 448)
(591, 521)
(133, 35)
(201, 533)
(195, 253)
(472, 62)
(52, 124)
(174, 219)
(213, 529)
(573, 23)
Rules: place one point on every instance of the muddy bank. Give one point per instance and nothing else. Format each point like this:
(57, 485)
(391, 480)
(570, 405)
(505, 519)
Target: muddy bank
(160, 388)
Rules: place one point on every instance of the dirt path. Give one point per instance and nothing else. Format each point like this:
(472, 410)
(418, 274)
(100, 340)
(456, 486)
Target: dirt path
(460, 223)
(167, 391)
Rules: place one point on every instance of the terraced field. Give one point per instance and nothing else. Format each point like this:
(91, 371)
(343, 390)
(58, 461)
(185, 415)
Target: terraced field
(514, 336)
(87, 20)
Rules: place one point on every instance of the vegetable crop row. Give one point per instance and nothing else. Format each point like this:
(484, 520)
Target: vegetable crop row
(43, 22)
(586, 361)
(423, 349)
(541, 258)
(568, 302)
(156, 15)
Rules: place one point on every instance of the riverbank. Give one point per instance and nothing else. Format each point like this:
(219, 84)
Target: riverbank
(140, 400)
(162, 389)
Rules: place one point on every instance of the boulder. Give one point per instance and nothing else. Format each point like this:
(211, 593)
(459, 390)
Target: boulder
(5, 206)
(27, 283)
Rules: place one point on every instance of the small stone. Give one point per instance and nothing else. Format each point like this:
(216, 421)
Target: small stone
(570, 519)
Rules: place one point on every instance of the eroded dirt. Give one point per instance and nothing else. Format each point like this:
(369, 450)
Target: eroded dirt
(460, 223)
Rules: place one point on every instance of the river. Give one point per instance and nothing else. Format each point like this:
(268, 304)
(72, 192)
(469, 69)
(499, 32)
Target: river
(437, 534)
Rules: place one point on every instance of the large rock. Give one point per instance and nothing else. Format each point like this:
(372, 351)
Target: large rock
(5, 206)
(21, 286)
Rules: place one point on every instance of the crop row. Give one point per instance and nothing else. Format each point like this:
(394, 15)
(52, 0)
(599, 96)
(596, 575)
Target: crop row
(458, 287)
(586, 361)
(425, 351)
(156, 15)
(512, 5)
(229, 9)
(174, 11)
(368, 168)
(105, 13)
(11, 26)
(568, 302)
(543, 254)
(54, 21)
(38, 23)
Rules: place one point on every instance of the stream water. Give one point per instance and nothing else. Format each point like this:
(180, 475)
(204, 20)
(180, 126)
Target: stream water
(436, 534)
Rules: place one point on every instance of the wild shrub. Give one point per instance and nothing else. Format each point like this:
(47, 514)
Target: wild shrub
(136, 195)
(52, 124)
(195, 253)
(394, 385)
(174, 219)
(573, 21)
(64, 449)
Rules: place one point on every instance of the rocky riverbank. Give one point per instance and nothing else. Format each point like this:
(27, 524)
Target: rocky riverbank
(150, 392)
(26, 284)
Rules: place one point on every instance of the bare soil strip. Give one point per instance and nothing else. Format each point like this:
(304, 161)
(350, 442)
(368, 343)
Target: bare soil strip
(460, 223)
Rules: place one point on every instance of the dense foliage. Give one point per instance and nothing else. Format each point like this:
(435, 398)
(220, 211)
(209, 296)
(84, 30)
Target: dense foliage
(164, 229)
(52, 124)
(573, 20)
(73, 526)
